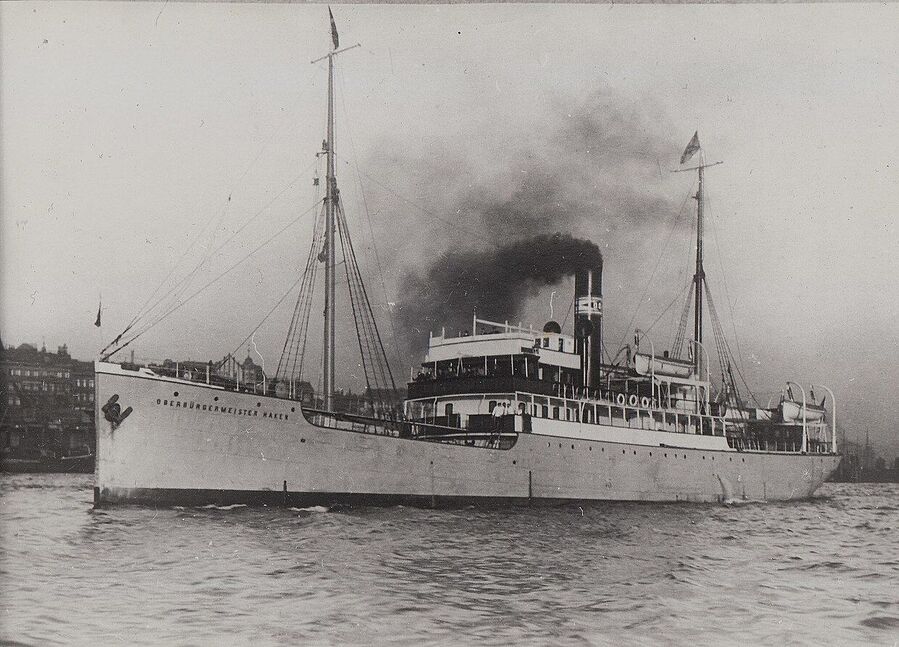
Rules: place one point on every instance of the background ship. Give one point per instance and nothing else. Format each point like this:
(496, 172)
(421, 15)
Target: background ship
(500, 412)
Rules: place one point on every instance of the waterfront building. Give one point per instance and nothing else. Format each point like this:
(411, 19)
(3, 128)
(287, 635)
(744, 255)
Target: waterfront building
(48, 404)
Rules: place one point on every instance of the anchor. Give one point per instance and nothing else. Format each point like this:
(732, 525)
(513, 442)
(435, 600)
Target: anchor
(112, 411)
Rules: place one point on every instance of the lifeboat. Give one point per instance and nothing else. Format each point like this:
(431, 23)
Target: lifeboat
(791, 411)
(664, 366)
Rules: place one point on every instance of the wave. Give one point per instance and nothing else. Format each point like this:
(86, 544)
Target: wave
(313, 508)
(233, 506)
(734, 501)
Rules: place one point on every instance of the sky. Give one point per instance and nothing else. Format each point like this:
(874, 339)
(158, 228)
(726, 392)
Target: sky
(138, 137)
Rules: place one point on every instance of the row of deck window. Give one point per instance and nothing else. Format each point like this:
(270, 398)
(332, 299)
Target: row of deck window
(525, 366)
(593, 414)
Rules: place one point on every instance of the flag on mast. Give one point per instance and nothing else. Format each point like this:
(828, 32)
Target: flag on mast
(691, 148)
(334, 36)
(99, 310)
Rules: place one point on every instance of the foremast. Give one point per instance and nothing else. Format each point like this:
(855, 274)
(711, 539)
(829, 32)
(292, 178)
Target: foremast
(330, 282)
(331, 198)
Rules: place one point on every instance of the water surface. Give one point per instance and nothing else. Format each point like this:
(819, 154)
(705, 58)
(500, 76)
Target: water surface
(824, 571)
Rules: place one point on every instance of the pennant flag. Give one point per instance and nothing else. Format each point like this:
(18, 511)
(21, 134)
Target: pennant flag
(333, 30)
(99, 309)
(691, 148)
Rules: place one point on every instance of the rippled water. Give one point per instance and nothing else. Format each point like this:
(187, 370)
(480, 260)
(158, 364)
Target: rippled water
(824, 571)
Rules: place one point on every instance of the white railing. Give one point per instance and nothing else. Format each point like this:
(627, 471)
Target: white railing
(833, 418)
(804, 420)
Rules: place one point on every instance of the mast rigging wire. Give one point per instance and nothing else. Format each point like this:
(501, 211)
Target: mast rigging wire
(259, 325)
(681, 334)
(655, 269)
(396, 346)
(166, 314)
(677, 297)
(294, 349)
(198, 236)
(727, 298)
(375, 360)
(478, 236)
(177, 290)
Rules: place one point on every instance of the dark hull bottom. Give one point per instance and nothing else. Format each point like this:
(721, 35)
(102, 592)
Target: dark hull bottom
(272, 498)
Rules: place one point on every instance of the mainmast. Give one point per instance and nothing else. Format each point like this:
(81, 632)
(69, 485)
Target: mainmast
(698, 279)
(332, 195)
(699, 274)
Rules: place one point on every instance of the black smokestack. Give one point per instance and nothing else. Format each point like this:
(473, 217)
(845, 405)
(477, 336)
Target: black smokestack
(588, 321)
(494, 282)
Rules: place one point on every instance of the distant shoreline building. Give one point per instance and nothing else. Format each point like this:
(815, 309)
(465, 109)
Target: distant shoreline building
(862, 464)
(47, 420)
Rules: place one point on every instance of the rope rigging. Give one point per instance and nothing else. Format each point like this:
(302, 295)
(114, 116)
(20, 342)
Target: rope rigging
(381, 388)
(290, 365)
(725, 356)
(677, 347)
(380, 393)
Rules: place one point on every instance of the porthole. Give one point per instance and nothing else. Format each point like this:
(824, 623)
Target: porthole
(744, 460)
(650, 453)
(590, 448)
(731, 460)
(703, 458)
(175, 394)
(623, 452)
(216, 398)
(666, 455)
(602, 449)
(514, 462)
(302, 440)
(635, 452)
(292, 409)
(258, 404)
(572, 447)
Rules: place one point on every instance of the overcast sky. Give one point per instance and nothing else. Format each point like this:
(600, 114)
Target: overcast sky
(126, 127)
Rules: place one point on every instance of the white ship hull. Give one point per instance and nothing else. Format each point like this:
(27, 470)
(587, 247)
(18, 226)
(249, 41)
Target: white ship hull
(210, 445)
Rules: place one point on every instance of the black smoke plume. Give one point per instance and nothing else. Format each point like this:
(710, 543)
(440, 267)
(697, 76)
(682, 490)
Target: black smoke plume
(593, 172)
(495, 282)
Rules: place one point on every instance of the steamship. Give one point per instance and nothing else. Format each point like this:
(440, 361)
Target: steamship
(500, 412)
